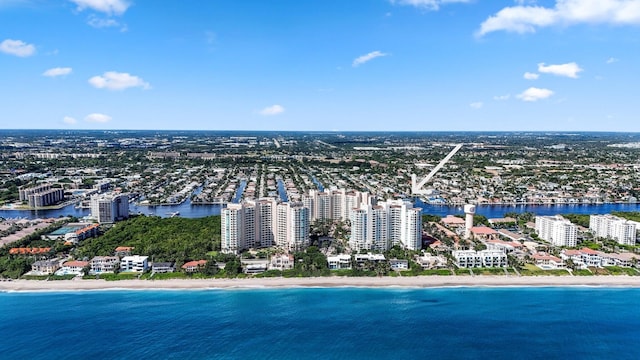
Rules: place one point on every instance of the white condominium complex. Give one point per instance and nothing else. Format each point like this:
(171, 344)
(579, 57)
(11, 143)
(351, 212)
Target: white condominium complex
(394, 222)
(264, 223)
(334, 205)
(41, 195)
(608, 226)
(109, 208)
(292, 226)
(557, 230)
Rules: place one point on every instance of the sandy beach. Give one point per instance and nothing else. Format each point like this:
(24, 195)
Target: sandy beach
(252, 283)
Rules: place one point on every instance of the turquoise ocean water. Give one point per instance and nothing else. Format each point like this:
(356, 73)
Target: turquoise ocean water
(339, 323)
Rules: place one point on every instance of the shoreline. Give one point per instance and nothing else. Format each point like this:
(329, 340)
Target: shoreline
(617, 281)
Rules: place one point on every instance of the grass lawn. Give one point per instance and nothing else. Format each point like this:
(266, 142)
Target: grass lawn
(599, 271)
(488, 271)
(35, 277)
(440, 272)
(164, 276)
(616, 270)
(462, 271)
(582, 272)
(532, 270)
(120, 276)
(511, 271)
(61, 277)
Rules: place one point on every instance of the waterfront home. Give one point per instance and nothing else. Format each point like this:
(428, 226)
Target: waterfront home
(134, 263)
(399, 264)
(591, 257)
(104, 264)
(583, 258)
(586, 257)
(163, 267)
(339, 262)
(548, 262)
(73, 267)
(193, 266)
(45, 267)
(622, 260)
(484, 258)
(254, 266)
(493, 258)
(575, 256)
(281, 262)
(428, 261)
(360, 258)
(466, 258)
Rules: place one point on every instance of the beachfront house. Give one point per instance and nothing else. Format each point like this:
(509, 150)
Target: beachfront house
(586, 257)
(428, 261)
(163, 267)
(45, 267)
(73, 267)
(339, 262)
(281, 262)
(104, 264)
(254, 266)
(362, 259)
(484, 258)
(134, 263)
(548, 262)
(399, 264)
(193, 266)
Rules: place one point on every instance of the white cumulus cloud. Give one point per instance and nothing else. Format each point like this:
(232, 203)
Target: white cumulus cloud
(526, 19)
(569, 69)
(97, 118)
(477, 104)
(272, 110)
(427, 4)
(112, 80)
(69, 120)
(367, 57)
(502, 97)
(109, 7)
(17, 48)
(59, 71)
(98, 22)
(530, 76)
(534, 94)
(612, 60)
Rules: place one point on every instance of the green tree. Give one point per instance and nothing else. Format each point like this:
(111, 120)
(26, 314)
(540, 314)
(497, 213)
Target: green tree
(233, 267)
(210, 268)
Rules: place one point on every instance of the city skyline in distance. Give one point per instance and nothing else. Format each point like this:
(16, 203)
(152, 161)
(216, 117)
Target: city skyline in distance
(379, 65)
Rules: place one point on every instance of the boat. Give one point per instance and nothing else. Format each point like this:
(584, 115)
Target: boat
(173, 214)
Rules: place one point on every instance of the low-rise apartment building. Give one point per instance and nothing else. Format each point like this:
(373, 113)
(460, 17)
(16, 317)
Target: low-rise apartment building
(134, 263)
(104, 264)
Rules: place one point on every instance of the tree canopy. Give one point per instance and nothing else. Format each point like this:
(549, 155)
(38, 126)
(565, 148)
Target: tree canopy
(162, 239)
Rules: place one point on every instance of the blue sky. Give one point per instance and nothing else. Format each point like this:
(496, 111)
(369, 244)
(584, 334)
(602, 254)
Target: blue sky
(391, 65)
